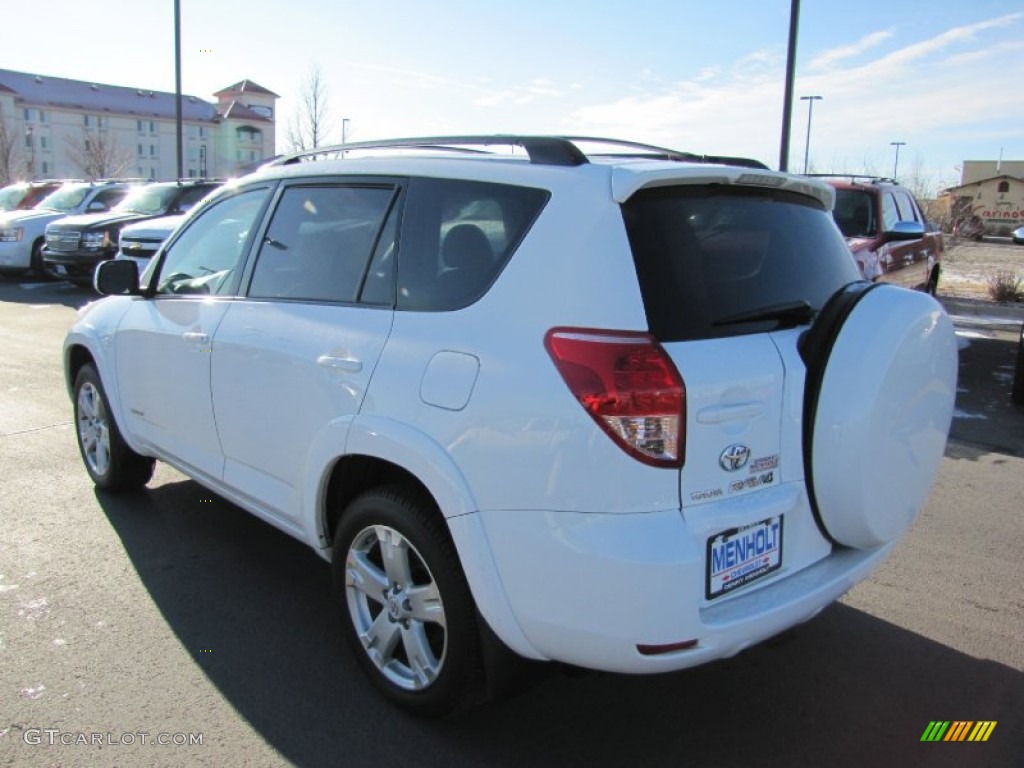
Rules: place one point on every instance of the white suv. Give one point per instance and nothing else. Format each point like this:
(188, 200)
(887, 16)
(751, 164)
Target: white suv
(631, 410)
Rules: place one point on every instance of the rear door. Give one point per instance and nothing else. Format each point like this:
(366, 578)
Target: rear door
(293, 360)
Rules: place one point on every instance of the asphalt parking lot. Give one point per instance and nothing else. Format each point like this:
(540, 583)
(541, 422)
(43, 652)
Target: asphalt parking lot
(174, 613)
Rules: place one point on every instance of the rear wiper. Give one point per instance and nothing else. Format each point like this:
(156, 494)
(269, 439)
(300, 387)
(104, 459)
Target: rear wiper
(792, 311)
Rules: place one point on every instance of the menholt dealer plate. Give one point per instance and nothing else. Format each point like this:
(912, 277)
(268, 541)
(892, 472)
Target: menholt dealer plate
(741, 555)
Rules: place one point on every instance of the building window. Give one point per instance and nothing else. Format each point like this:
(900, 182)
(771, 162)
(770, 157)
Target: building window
(42, 116)
(1004, 187)
(87, 120)
(88, 145)
(202, 131)
(28, 139)
(152, 150)
(43, 142)
(46, 167)
(138, 126)
(28, 115)
(152, 126)
(152, 173)
(140, 153)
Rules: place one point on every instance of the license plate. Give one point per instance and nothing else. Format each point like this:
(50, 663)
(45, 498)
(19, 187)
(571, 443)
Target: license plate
(741, 555)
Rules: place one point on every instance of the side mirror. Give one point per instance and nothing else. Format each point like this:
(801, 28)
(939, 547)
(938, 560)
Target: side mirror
(906, 230)
(118, 277)
(96, 206)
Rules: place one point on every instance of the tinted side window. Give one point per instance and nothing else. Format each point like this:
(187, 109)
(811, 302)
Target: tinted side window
(890, 213)
(456, 238)
(908, 209)
(206, 258)
(319, 243)
(706, 256)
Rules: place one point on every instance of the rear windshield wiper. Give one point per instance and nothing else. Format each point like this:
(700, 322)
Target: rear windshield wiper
(796, 312)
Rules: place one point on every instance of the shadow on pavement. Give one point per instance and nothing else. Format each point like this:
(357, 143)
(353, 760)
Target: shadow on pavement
(844, 689)
(986, 419)
(33, 290)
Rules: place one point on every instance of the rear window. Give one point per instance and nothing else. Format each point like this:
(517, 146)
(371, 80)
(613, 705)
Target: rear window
(716, 261)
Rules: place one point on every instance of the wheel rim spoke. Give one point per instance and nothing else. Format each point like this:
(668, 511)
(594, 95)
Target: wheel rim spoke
(423, 665)
(394, 550)
(364, 576)
(425, 604)
(381, 639)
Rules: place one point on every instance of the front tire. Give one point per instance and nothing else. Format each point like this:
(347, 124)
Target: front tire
(36, 264)
(111, 464)
(406, 608)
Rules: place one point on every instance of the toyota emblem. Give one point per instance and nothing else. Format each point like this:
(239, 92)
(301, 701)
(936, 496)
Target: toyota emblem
(734, 457)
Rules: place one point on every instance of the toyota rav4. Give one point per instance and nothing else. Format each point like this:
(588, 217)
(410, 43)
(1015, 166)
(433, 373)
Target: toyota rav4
(616, 406)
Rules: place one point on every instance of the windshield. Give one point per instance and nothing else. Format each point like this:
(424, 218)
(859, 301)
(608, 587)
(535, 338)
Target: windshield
(855, 213)
(65, 199)
(148, 200)
(11, 197)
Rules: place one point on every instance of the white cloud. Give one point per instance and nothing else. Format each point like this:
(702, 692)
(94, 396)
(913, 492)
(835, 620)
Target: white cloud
(831, 58)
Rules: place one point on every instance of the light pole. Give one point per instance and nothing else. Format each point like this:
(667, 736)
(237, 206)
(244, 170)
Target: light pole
(810, 110)
(896, 164)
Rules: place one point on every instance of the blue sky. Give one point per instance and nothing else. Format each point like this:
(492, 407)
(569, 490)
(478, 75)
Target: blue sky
(942, 76)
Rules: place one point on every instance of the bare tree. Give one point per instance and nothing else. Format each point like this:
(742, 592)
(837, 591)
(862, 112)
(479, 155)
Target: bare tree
(10, 161)
(98, 154)
(310, 123)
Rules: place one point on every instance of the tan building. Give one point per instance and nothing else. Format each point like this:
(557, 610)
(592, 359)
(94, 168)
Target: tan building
(52, 127)
(979, 170)
(995, 204)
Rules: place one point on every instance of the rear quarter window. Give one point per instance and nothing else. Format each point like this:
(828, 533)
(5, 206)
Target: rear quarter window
(456, 238)
(706, 254)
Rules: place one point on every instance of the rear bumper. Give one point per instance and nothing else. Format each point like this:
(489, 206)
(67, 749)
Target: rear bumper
(587, 589)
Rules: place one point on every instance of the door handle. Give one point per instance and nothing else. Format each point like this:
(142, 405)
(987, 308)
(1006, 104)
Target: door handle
(347, 364)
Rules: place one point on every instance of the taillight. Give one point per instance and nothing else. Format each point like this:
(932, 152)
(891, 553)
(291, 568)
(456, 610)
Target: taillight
(630, 387)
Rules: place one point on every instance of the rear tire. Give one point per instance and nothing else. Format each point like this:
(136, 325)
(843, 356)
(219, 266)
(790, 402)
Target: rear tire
(405, 605)
(111, 464)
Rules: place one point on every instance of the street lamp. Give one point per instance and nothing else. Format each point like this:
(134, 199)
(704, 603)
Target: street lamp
(896, 164)
(810, 109)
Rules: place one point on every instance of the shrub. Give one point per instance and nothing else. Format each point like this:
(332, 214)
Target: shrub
(1004, 285)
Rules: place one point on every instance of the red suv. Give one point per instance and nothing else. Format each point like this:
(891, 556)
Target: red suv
(891, 238)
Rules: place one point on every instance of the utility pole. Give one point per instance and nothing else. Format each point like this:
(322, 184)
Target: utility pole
(787, 102)
(177, 85)
(896, 164)
(810, 109)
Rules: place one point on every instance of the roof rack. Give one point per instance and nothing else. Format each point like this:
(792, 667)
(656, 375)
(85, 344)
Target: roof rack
(541, 150)
(854, 177)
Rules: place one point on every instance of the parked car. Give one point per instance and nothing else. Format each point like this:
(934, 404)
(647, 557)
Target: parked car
(1018, 236)
(615, 410)
(25, 194)
(22, 232)
(75, 245)
(891, 238)
(140, 242)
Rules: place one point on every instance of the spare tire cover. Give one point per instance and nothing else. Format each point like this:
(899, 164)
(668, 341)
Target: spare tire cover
(881, 415)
